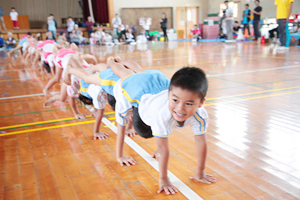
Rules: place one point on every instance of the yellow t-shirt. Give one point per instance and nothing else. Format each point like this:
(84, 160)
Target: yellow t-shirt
(283, 8)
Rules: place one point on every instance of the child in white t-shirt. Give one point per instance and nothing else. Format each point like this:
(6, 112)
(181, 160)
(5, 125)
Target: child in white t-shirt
(14, 18)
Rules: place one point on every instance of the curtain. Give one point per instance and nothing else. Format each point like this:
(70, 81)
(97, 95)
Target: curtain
(100, 10)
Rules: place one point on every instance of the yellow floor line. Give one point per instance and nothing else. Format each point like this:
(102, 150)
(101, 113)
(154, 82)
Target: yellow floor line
(44, 122)
(87, 122)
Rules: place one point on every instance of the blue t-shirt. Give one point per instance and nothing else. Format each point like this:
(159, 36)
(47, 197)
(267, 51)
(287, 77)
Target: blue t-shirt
(245, 18)
(1, 42)
(22, 41)
(51, 25)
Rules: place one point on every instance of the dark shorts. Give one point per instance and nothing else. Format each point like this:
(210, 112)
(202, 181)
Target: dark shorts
(139, 126)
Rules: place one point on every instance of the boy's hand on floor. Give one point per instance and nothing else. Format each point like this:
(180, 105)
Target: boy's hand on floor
(130, 133)
(126, 161)
(100, 136)
(167, 186)
(204, 178)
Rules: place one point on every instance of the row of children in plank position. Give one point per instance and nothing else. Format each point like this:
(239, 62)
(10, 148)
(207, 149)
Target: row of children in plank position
(144, 99)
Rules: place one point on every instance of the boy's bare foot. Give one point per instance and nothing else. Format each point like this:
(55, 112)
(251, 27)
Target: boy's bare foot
(110, 60)
(46, 93)
(118, 59)
(130, 132)
(48, 103)
(156, 155)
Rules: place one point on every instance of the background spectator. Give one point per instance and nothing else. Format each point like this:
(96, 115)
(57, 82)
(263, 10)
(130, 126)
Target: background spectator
(1, 19)
(164, 26)
(10, 42)
(236, 28)
(74, 38)
(2, 43)
(256, 20)
(52, 25)
(284, 10)
(14, 18)
(49, 36)
(246, 18)
(229, 20)
(116, 21)
(89, 25)
(70, 25)
(78, 33)
(195, 33)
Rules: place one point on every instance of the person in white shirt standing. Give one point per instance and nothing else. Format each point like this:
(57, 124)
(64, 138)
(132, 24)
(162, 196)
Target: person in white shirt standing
(70, 25)
(229, 21)
(14, 18)
(116, 21)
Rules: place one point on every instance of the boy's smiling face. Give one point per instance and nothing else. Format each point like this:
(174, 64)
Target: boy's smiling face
(183, 103)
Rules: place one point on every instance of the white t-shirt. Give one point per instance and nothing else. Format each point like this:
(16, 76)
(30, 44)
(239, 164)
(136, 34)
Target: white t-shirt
(107, 38)
(116, 22)
(154, 111)
(14, 16)
(123, 106)
(229, 12)
(98, 35)
(70, 26)
(97, 94)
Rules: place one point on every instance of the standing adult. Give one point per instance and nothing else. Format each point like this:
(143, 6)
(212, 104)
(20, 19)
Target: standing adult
(52, 25)
(70, 25)
(116, 21)
(284, 10)
(256, 20)
(89, 25)
(1, 19)
(229, 21)
(246, 18)
(164, 26)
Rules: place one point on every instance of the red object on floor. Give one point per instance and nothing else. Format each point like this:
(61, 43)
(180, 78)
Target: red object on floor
(263, 41)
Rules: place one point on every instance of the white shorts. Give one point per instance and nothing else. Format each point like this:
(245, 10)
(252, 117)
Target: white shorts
(123, 106)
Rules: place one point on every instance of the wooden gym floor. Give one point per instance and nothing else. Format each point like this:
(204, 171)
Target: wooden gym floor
(253, 136)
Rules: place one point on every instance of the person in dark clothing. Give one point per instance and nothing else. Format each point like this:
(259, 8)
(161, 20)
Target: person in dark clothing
(164, 26)
(257, 13)
(236, 28)
(89, 25)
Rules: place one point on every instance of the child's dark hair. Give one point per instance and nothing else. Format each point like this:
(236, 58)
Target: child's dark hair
(111, 101)
(47, 67)
(236, 22)
(28, 33)
(192, 79)
(85, 100)
(12, 8)
(247, 4)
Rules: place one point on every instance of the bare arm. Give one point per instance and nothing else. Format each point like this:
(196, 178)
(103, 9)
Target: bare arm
(98, 120)
(163, 159)
(201, 150)
(74, 108)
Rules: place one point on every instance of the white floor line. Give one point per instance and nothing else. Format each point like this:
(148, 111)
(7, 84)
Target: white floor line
(258, 70)
(23, 96)
(183, 188)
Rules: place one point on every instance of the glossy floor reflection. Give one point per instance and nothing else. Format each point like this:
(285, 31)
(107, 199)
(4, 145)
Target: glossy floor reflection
(253, 138)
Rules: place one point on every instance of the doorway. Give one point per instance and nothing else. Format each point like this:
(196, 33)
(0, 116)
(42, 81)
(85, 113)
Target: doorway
(187, 17)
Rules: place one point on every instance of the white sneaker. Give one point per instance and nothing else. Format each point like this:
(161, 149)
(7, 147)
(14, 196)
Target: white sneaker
(282, 48)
